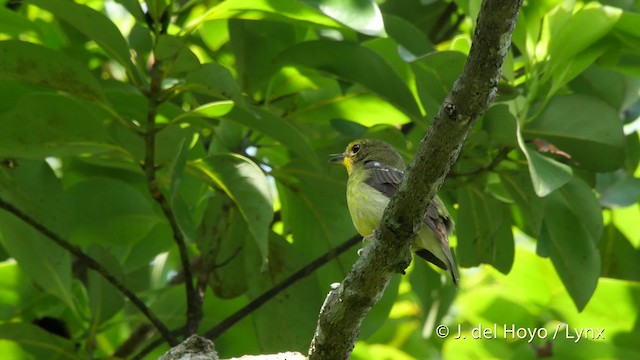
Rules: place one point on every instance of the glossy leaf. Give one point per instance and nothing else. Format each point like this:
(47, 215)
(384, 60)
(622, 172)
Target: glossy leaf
(245, 183)
(572, 39)
(96, 26)
(212, 110)
(276, 128)
(59, 125)
(285, 11)
(353, 62)
(412, 42)
(361, 15)
(217, 81)
(484, 231)
(586, 128)
(572, 250)
(47, 68)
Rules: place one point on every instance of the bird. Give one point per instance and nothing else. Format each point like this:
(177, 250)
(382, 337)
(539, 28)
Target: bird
(375, 171)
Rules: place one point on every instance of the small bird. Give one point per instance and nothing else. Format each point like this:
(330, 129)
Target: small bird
(375, 171)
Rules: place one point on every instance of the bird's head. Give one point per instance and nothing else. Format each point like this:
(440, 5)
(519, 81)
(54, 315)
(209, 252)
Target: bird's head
(360, 151)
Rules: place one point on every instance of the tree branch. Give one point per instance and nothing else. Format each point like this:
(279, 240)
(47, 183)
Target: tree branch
(94, 265)
(389, 252)
(194, 301)
(307, 270)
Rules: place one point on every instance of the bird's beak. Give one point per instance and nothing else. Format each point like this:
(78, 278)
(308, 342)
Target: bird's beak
(336, 158)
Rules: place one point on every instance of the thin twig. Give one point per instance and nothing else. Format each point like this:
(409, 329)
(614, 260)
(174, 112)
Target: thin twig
(227, 323)
(271, 293)
(94, 265)
(502, 155)
(194, 302)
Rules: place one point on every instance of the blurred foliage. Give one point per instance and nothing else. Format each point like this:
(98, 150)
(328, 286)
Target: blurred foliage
(254, 96)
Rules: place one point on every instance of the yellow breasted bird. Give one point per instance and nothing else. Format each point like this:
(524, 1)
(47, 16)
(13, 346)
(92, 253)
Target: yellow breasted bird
(375, 171)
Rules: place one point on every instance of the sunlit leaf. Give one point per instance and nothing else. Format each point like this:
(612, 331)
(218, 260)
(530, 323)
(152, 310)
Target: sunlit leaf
(38, 342)
(94, 25)
(361, 15)
(245, 183)
(356, 63)
(586, 128)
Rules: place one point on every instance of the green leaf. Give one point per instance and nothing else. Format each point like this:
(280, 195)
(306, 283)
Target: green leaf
(38, 342)
(289, 11)
(15, 286)
(571, 39)
(618, 189)
(32, 186)
(58, 126)
(215, 33)
(212, 110)
(218, 81)
(501, 125)
(108, 211)
(36, 64)
(275, 127)
(547, 175)
(175, 51)
(254, 41)
(582, 200)
(620, 259)
(96, 26)
(572, 250)
(484, 230)
(314, 209)
(134, 8)
(355, 63)
(519, 186)
(105, 300)
(412, 42)
(45, 262)
(288, 310)
(435, 75)
(363, 16)
(586, 128)
(222, 241)
(245, 183)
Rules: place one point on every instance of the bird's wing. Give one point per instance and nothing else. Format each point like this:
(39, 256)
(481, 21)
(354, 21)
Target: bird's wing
(386, 180)
(383, 178)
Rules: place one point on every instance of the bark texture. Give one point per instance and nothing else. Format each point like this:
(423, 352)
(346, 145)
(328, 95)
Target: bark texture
(389, 253)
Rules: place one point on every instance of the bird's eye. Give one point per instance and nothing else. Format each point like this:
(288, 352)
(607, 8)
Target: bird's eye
(355, 148)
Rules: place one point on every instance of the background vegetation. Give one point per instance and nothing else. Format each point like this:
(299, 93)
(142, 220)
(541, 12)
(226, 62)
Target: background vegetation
(152, 135)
